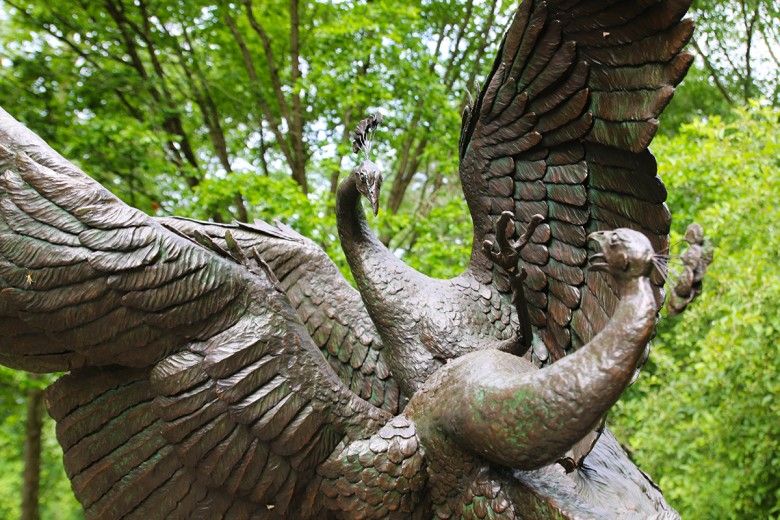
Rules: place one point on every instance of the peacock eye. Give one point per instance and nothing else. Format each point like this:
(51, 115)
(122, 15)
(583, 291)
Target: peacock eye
(613, 240)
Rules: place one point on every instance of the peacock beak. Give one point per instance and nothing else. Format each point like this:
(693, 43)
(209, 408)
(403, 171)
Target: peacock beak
(597, 261)
(373, 198)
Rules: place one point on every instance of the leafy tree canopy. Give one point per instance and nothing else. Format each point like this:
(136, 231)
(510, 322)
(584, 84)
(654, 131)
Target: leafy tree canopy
(242, 109)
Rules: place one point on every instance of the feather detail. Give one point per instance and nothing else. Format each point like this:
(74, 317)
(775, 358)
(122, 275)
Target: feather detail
(363, 134)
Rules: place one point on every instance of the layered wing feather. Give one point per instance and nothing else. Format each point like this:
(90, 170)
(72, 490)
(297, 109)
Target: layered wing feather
(562, 129)
(86, 280)
(195, 389)
(331, 309)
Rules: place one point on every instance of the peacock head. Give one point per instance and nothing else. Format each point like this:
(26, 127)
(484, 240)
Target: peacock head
(368, 180)
(624, 253)
(368, 176)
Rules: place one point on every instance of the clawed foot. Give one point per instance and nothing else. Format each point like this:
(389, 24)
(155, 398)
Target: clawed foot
(695, 261)
(508, 252)
(507, 256)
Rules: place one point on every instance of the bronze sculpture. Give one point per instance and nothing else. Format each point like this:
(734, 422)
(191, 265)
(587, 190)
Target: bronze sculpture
(229, 371)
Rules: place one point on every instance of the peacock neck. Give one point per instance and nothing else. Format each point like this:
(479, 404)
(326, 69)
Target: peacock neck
(583, 386)
(392, 291)
(360, 244)
(530, 417)
(372, 264)
(350, 217)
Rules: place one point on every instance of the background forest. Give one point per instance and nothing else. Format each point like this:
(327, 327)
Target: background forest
(242, 110)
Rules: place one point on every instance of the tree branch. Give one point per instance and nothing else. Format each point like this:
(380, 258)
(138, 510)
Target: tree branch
(273, 69)
(713, 72)
(251, 71)
(296, 127)
(750, 27)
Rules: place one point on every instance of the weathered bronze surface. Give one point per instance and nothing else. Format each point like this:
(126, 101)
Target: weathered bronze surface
(229, 371)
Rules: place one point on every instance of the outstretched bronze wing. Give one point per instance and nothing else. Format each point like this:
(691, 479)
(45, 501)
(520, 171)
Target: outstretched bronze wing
(562, 129)
(194, 389)
(331, 309)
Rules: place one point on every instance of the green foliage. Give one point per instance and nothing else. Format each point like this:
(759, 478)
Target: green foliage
(736, 45)
(703, 418)
(697, 97)
(737, 41)
(443, 244)
(56, 498)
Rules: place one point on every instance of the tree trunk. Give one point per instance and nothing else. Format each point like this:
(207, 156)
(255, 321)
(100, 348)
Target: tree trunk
(172, 123)
(455, 68)
(750, 27)
(296, 161)
(296, 120)
(262, 152)
(32, 455)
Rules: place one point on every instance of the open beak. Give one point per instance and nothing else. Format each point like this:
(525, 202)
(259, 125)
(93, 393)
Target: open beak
(373, 198)
(597, 261)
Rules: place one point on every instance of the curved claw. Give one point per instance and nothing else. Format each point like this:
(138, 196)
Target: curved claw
(508, 251)
(487, 247)
(505, 228)
(507, 257)
(536, 221)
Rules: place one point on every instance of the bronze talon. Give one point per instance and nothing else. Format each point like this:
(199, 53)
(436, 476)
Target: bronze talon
(507, 257)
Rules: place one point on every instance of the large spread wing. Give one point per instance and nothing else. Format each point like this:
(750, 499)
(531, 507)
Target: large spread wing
(86, 280)
(195, 391)
(562, 129)
(331, 309)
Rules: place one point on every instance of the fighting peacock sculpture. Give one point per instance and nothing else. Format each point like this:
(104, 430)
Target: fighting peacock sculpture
(230, 371)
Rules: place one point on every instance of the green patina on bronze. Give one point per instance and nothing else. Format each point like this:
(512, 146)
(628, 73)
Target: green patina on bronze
(230, 370)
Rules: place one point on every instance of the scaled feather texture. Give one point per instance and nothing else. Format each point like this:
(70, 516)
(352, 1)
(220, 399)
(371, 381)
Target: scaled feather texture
(230, 371)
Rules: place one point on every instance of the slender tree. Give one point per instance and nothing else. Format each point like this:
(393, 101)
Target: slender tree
(32, 455)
